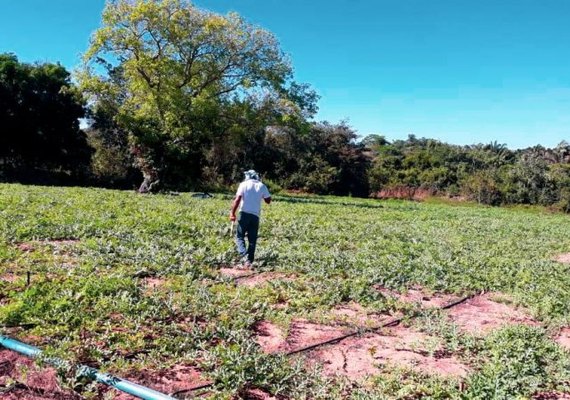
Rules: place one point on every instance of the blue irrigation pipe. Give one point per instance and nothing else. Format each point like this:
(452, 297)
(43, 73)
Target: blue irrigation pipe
(83, 370)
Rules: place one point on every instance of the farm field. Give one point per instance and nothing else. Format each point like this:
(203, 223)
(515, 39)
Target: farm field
(431, 300)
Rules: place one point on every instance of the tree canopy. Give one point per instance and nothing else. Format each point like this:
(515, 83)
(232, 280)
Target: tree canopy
(170, 68)
(39, 120)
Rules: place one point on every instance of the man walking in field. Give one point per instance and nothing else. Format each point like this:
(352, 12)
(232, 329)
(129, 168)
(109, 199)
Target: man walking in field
(249, 194)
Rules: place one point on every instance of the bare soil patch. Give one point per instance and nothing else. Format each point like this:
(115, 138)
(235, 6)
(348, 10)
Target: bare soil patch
(258, 394)
(353, 314)
(34, 383)
(357, 357)
(56, 244)
(418, 295)
(11, 278)
(26, 247)
(270, 337)
(302, 333)
(234, 272)
(60, 242)
(481, 314)
(563, 338)
(563, 258)
(153, 282)
(170, 380)
(60, 248)
(264, 277)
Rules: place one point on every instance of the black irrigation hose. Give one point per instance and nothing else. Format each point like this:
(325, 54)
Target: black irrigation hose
(13, 386)
(237, 278)
(389, 324)
(194, 389)
(23, 326)
(392, 323)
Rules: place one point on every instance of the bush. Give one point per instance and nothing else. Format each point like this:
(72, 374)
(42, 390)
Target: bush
(274, 188)
(564, 203)
(483, 188)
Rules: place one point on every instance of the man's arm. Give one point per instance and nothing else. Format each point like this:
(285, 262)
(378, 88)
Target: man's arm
(266, 195)
(235, 205)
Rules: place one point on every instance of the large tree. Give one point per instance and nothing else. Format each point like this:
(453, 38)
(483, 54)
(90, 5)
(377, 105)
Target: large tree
(179, 67)
(39, 119)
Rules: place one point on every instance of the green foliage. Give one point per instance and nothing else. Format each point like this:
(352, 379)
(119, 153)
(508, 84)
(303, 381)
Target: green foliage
(180, 68)
(398, 383)
(483, 188)
(324, 160)
(241, 365)
(39, 116)
(143, 279)
(489, 174)
(520, 361)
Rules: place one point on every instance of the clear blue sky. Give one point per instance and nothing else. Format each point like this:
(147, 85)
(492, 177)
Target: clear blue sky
(462, 71)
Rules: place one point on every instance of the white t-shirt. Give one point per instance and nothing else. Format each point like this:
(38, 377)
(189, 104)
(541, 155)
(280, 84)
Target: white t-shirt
(252, 192)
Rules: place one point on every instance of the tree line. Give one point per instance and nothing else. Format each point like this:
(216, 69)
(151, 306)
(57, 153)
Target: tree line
(179, 98)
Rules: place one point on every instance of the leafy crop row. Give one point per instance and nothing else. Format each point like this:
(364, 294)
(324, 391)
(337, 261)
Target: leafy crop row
(89, 299)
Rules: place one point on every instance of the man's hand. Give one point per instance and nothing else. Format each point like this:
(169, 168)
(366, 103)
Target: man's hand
(232, 217)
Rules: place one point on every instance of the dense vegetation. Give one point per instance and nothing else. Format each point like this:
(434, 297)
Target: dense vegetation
(90, 299)
(39, 123)
(489, 174)
(181, 98)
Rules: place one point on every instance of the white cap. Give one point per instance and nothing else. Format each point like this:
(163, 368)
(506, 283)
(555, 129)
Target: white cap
(251, 174)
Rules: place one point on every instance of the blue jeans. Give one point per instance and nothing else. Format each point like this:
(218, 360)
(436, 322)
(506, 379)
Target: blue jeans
(248, 224)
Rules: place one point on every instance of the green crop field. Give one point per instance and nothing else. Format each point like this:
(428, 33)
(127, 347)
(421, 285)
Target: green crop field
(142, 285)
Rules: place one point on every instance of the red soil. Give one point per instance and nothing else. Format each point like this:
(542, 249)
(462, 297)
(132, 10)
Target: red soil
(301, 334)
(563, 338)
(9, 277)
(34, 383)
(418, 295)
(480, 315)
(260, 279)
(56, 244)
(355, 315)
(153, 282)
(270, 337)
(42, 384)
(26, 247)
(65, 258)
(249, 277)
(563, 258)
(357, 357)
(257, 394)
(171, 380)
(236, 272)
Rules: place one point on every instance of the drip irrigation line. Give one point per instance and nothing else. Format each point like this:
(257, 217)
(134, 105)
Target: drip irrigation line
(389, 324)
(373, 329)
(23, 326)
(237, 278)
(193, 389)
(13, 386)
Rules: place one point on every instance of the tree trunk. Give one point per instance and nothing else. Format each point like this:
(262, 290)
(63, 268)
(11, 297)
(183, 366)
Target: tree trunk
(150, 182)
